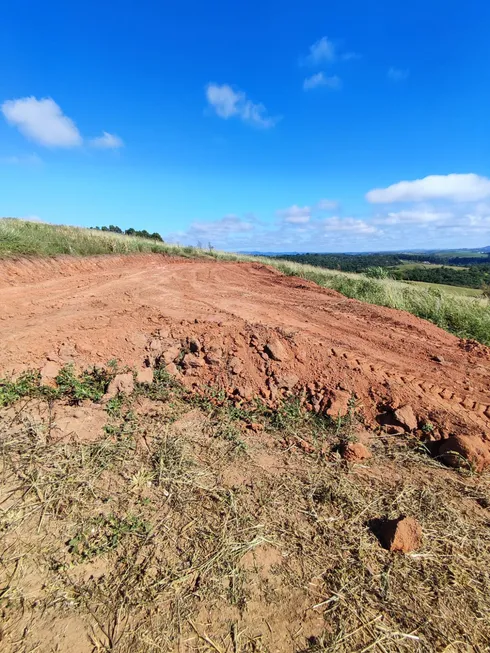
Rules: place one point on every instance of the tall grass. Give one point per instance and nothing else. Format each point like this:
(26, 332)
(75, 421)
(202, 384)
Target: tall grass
(464, 316)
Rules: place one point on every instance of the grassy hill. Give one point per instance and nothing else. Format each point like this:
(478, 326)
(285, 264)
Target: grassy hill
(464, 316)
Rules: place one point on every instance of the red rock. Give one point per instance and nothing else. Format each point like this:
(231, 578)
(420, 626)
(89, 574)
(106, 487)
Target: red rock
(236, 365)
(276, 350)
(339, 404)
(155, 346)
(244, 391)
(194, 345)
(354, 452)
(49, 373)
(287, 381)
(67, 352)
(171, 355)
(403, 534)
(145, 375)
(190, 360)
(406, 417)
(120, 384)
(213, 358)
(173, 370)
(454, 451)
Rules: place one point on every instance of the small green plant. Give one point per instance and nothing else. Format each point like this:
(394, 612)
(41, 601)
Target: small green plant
(114, 406)
(427, 427)
(103, 534)
(27, 385)
(91, 384)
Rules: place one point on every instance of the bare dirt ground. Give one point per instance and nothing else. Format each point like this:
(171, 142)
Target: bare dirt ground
(331, 347)
(166, 520)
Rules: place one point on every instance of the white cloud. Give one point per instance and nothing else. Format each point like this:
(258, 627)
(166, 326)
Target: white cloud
(295, 214)
(320, 79)
(360, 227)
(453, 187)
(223, 232)
(228, 103)
(327, 205)
(23, 159)
(42, 121)
(416, 217)
(398, 74)
(322, 51)
(351, 56)
(107, 141)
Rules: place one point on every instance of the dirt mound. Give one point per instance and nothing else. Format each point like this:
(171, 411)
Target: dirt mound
(249, 331)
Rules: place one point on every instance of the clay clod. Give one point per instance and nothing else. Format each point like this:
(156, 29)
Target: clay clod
(120, 384)
(276, 350)
(145, 376)
(406, 417)
(403, 534)
(355, 452)
(462, 451)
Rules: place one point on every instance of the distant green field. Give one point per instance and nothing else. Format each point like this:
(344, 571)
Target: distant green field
(455, 290)
(461, 253)
(412, 266)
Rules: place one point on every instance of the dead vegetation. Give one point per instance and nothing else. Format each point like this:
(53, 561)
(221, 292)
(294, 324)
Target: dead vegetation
(193, 524)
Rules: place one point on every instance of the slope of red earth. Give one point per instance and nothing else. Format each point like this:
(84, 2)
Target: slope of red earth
(250, 331)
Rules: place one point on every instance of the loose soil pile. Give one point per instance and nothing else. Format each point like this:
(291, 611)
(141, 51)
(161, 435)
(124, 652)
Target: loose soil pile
(251, 332)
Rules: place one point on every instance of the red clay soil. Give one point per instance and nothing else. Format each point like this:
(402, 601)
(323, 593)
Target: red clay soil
(249, 330)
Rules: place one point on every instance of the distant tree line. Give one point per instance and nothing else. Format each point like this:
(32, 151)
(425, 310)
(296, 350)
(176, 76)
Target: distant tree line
(472, 272)
(360, 262)
(472, 277)
(131, 232)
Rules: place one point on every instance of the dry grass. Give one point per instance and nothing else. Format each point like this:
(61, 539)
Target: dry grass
(181, 529)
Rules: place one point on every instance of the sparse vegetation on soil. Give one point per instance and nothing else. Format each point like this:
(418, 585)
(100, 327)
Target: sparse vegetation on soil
(466, 317)
(188, 522)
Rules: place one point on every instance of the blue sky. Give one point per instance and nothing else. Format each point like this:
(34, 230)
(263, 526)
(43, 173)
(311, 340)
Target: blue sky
(252, 125)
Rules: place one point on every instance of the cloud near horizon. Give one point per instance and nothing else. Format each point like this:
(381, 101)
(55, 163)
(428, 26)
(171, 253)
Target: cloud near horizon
(22, 159)
(229, 103)
(453, 187)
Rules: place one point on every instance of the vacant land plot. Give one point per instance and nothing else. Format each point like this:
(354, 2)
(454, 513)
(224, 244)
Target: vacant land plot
(170, 521)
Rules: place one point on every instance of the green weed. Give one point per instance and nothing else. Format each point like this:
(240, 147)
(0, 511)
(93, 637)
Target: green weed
(103, 534)
(91, 384)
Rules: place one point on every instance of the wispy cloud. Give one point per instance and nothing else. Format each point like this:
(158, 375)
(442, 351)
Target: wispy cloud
(320, 79)
(452, 187)
(229, 103)
(42, 121)
(107, 142)
(351, 225)
(23, 159)
(351, 56)
(321, 52)
(327, 205)
(398, 74)
(295, 214)
(325, 51)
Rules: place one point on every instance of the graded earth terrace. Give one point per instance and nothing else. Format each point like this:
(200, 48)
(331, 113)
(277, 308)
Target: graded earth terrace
(252, 332)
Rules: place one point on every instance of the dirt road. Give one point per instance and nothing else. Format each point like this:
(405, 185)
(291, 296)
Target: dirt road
(94, 310)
